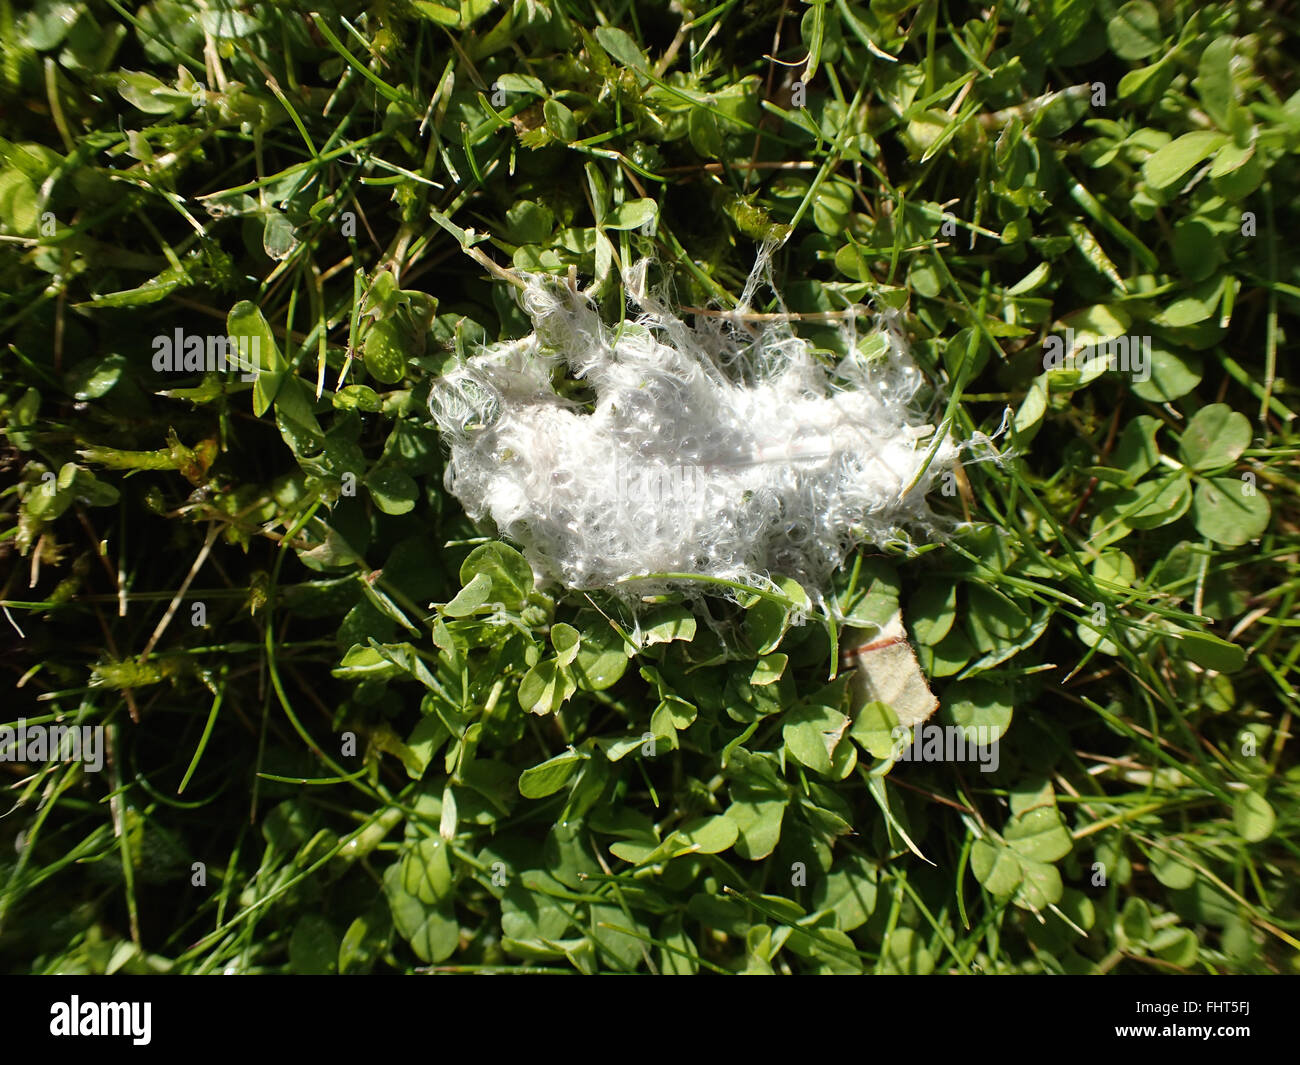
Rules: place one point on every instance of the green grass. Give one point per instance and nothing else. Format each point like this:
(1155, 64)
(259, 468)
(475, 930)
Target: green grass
(311, 768)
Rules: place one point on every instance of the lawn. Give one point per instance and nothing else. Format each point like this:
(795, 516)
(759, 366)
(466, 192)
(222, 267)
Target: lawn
(328, 723)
